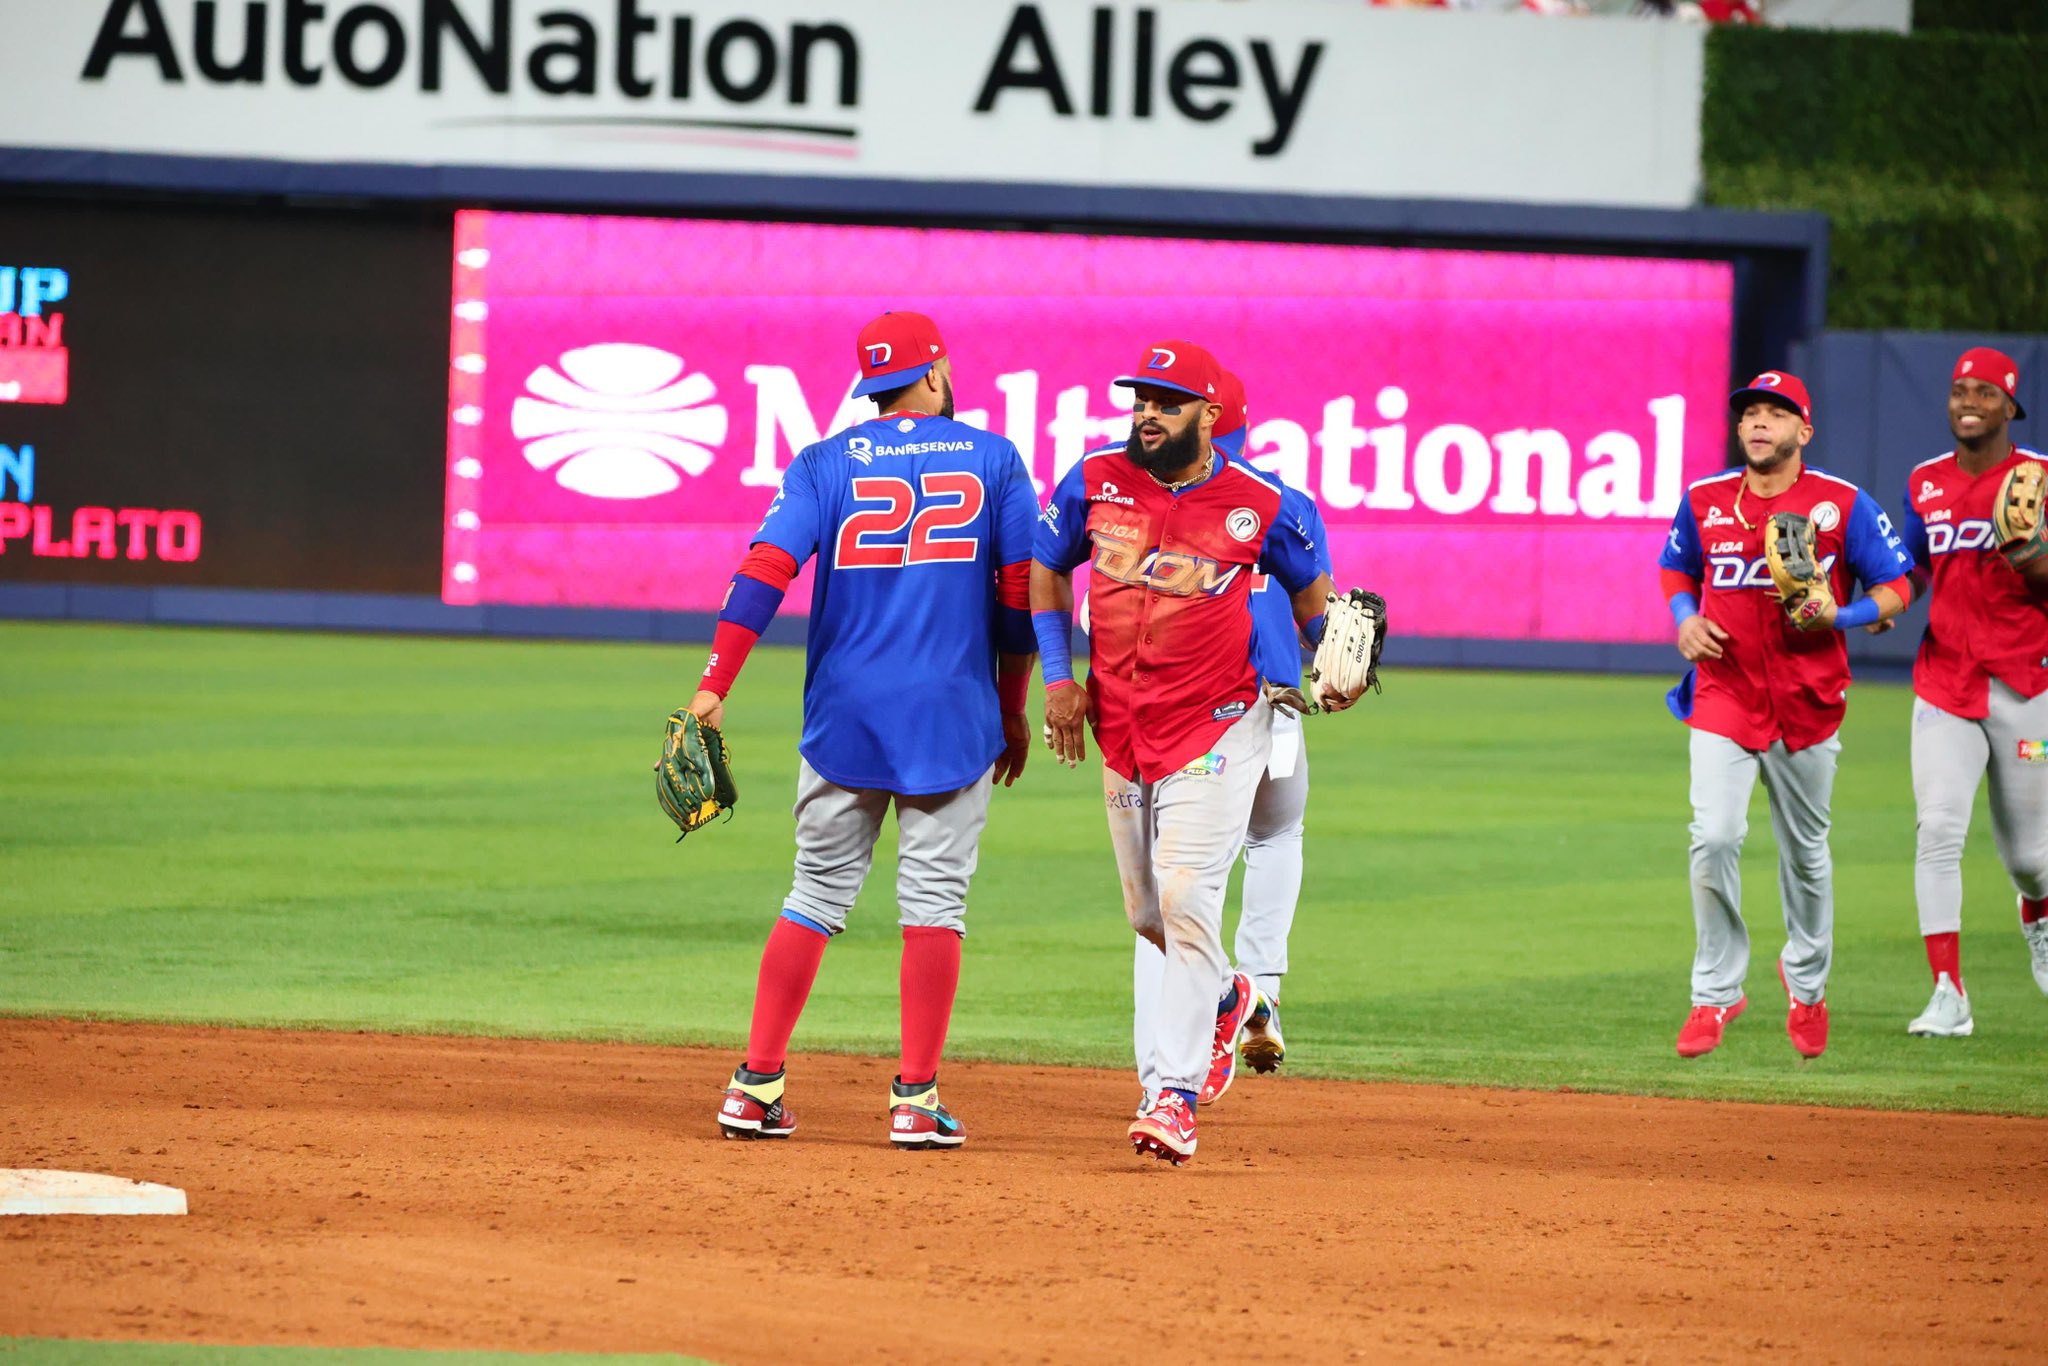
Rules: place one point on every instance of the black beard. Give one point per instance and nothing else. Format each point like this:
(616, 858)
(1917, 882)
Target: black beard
(946, 404)
(1780, 453)
(1174, 453)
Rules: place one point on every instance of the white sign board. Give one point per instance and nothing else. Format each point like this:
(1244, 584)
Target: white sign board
(1300, 96)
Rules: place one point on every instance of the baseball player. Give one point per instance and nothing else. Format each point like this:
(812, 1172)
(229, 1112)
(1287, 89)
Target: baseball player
(1767, 691)
(1980, 682)
(1273, 836)
(922, 529)
(1172, 532)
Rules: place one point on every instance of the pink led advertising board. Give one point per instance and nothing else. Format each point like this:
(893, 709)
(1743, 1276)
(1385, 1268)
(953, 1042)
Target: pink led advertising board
(1494, 437)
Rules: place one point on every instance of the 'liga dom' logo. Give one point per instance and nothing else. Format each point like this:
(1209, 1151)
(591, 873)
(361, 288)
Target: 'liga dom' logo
(619, 420)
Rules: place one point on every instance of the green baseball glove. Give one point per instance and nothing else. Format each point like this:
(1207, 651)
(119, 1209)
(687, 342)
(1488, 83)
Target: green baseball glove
(694, 778)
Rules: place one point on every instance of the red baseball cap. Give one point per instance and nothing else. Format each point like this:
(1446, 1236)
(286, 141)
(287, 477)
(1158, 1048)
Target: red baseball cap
(1995, 368)
(1178, 365)
(1774, 386)
(895, 349)
(1236, 412)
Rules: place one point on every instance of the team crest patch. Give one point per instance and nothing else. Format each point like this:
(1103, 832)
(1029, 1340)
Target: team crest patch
(1243, 524)
(1228, 713)
(906, 425)
(1826, 516)
(1210, 765)
(2034, 751)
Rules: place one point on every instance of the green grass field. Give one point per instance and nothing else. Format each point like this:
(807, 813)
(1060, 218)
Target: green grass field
(433, 835)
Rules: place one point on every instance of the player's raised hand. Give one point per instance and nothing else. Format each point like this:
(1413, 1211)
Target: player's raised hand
(709, 708)
(1700, 639)
(1016, 748)
(1066, 722)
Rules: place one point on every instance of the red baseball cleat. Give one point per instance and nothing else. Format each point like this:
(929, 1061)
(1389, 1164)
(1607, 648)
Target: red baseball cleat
(1806, 1025)
(753, 1107)
(917, 1120)
(1167, 1130)
(1701, 1034)
(1229, 1032)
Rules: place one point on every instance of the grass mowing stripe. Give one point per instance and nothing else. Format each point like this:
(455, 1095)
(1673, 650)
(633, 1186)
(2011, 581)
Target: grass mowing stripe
(460, 835)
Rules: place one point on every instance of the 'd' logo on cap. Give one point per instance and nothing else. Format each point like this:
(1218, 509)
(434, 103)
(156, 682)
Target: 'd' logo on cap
(879, 353)
(1162, 359)
(1769, 379)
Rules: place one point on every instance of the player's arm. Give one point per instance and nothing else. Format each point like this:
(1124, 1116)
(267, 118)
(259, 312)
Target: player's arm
(788, 536)
(1878, 557)
(1016, 652)
(1061, 544)
(1016, 642)
(1066, 697)
(1680, 572)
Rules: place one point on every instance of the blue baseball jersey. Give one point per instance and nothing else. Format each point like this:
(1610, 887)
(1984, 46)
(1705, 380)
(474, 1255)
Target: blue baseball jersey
(909, 518)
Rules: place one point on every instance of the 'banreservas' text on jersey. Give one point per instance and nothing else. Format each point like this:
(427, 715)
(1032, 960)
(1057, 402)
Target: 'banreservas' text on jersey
(909, 516)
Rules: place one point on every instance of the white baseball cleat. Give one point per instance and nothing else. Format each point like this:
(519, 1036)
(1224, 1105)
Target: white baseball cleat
(2037, 945)
(1947, 1016)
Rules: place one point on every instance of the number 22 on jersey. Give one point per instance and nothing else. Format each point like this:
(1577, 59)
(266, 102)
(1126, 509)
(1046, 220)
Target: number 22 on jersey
(872, 537)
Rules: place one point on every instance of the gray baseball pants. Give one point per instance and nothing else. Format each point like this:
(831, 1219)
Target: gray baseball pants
(1951, 756)
(1272, 888)
(1801, 786)
(939, 842)
(1175, 840)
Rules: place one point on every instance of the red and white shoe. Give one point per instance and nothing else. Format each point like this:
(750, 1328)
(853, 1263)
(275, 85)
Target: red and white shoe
(917, 1120)
(1167, 1130)
(1229, 1033)
(753, 1107)
(1806, 1025)
(1701, 1033)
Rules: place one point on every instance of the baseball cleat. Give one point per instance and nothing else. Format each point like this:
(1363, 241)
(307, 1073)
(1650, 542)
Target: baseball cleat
(1263, 1048)
(1947, 1016)
(2037, 946)
(753, 1107)
(917, 1120)
(1229, 1033)
(1701, 1033)
(1806, 1025)
(1145, 1099)
(1167, 1130)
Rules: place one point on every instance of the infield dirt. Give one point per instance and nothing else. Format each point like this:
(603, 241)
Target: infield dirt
(368, 1190)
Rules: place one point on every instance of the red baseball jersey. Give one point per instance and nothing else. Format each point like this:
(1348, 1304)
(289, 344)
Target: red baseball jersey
(1169, 598)
(1983, 622)
(1773, 680)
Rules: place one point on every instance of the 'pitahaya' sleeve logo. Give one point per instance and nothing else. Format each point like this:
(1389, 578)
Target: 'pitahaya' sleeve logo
(619, 420)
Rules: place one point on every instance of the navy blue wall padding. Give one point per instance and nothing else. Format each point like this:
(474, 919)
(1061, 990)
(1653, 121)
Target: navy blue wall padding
(1780, 259)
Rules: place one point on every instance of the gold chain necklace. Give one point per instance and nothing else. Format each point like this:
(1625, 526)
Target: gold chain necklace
(1742, 487)
(1197, 477)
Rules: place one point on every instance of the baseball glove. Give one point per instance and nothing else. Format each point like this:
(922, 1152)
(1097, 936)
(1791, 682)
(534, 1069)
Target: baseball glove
(2016, 513)
(694, 778)
(1347, 661)
(1795, 568)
